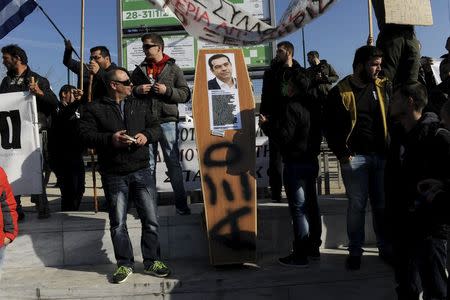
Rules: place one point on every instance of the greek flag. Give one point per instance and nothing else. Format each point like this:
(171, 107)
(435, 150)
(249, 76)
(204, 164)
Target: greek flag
(13, 12)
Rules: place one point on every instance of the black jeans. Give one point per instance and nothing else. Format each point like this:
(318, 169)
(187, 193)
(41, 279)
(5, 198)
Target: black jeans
(71, 177)
(420, 265)
(117, 188)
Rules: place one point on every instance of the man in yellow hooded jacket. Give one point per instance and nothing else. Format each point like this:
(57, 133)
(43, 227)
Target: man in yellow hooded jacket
(356, 131)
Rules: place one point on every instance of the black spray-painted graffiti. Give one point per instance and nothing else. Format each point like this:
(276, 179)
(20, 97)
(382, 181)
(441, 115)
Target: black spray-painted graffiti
(10, 131)
(236, 239)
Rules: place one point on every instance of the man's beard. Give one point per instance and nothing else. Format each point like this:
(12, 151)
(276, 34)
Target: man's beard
(365, 77)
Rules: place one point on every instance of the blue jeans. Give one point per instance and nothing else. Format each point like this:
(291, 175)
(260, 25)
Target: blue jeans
(300, 184)
(363, 178)
(140, 185)
(171, 154)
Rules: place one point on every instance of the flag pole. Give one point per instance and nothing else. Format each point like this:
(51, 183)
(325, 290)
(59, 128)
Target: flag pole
(304, 47)
(90, 151)
(54, 25)
(370, 39)
(82, 46)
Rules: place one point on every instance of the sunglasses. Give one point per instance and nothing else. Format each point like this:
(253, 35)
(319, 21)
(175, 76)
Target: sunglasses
(95, 57)
(149, 46)
(124, 82)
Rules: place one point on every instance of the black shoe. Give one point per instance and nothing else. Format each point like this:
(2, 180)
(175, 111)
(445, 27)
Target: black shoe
(184, 212)
(293, 261)
(158, 269)
(353, 263)
(121, 274)
(314, 253)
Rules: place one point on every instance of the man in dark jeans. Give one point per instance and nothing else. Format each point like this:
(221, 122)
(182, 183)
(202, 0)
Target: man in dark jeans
(161, 83)
(299, 137)
(121, 127)
(420, 151)
(20, 78)
(274, 91)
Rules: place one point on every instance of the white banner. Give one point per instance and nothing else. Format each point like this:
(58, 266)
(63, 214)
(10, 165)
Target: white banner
(20, 152)
(222, 22)
(189, 160)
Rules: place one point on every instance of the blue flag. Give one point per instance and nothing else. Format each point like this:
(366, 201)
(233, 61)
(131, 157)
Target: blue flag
(13, 12)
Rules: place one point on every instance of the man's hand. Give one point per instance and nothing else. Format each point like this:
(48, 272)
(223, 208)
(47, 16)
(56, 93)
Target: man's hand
(143, 89)
(77, 94)
(346, 159)
(119, 140)
(93, 67)
(141, 139)
(262, 119)
(6, 241)
(160, 88)
(68, 45)
(35, 89)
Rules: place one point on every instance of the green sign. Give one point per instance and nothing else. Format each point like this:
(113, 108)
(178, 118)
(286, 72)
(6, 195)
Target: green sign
(140, 13)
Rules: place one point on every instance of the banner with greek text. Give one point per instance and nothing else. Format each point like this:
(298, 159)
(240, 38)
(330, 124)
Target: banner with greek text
(20, 153)
(222, 22)
(189, 160)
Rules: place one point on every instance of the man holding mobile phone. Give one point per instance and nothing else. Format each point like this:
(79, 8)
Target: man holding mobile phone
(110, 125)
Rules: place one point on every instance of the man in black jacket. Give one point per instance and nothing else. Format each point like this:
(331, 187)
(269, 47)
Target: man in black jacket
(99, 64)
(322, 75)
(298, 135)
(419, 231)
(274, 92)
(120, 128)
(161, 82)
(66, 149)
(20, 78)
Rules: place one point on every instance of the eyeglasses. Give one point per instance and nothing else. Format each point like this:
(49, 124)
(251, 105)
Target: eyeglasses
(96, 57)
(124, 82)
(148, 46)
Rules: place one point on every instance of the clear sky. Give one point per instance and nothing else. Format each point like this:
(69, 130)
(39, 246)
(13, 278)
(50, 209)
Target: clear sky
(335, 35)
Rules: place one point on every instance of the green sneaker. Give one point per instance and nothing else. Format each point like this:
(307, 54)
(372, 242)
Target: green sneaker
(122, 274)
(158, 269)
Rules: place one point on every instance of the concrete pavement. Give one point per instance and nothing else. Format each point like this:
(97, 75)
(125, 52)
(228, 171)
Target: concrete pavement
(69, 256)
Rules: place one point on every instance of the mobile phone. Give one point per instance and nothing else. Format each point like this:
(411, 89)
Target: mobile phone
(130, 138)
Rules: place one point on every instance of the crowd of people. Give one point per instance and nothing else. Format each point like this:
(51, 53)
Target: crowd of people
(123, 117)
(387, 123)
(392, 140)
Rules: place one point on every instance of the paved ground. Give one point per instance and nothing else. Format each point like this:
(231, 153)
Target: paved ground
(196, 279)
(323, 280)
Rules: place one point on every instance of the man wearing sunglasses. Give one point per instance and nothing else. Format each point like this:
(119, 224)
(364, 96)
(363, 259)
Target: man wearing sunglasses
(161, 82)
(99, 64)
(121, 128)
